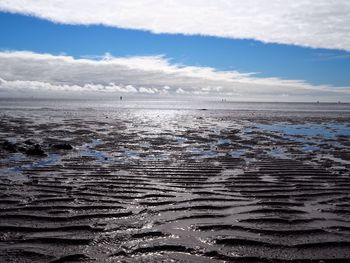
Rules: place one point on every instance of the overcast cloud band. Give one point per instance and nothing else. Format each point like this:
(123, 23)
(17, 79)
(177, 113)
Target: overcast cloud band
(317, 24)
(27, 72)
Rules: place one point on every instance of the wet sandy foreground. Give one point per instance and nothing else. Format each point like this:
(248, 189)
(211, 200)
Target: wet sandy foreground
(171, 185)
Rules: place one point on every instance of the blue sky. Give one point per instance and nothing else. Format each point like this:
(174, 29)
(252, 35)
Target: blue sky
(318, 66)
(251, 50)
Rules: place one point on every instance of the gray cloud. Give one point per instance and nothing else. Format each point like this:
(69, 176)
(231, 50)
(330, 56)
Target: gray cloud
(318, 24)
(26, 73)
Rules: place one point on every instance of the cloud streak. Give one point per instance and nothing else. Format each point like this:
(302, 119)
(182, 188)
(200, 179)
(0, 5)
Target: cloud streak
(317, 24)
(24, 73)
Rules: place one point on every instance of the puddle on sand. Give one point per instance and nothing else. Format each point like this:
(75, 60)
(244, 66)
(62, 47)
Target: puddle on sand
(14, 157)
(310, 137)
(132, 154)
(224, 142)
(158, 157)
(180, 140)
(325, 130)
(16, 172)
(237, 153)
(310, 148)
(51, 159)
(87, 150)
(278, 152)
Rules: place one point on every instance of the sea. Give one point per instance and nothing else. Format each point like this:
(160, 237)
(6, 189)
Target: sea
(171, 104)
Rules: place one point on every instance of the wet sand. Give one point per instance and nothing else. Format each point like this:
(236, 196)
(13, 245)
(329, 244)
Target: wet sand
(174, 185)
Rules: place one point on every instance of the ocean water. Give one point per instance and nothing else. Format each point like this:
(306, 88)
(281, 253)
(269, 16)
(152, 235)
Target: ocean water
(173, 104)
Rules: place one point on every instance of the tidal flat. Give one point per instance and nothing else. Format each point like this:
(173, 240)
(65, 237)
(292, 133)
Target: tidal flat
(87, 184)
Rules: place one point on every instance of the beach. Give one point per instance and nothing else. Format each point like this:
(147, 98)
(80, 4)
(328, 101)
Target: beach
(181, 182)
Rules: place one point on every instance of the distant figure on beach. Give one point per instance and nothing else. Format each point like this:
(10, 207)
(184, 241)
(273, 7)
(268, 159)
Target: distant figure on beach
(121, 97)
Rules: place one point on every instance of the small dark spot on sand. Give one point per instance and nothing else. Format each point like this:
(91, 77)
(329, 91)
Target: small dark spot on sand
(62, 146)
(28, 142)
(36, 150)
(9, 146)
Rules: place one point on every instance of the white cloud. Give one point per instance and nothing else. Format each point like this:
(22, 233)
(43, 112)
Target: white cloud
(320, 24)
(148, 90)
(30, 86)
(180, 91)
(30, 74)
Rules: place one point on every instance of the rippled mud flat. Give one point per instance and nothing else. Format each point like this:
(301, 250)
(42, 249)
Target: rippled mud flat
(171, 185)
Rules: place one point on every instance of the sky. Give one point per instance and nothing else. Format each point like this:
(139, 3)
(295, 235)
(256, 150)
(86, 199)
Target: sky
(262, 50)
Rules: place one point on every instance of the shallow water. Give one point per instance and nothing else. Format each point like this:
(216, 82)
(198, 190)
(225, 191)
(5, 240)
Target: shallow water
(324, 130)
(106, 104)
